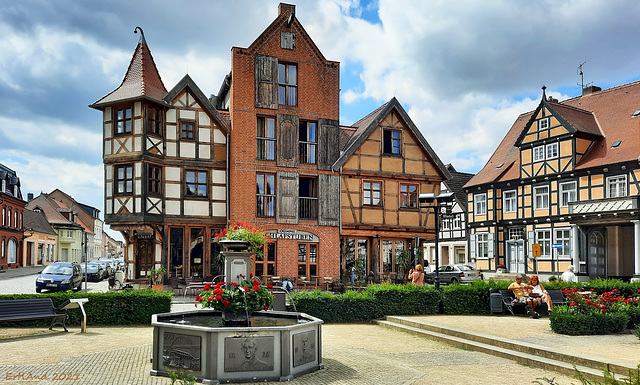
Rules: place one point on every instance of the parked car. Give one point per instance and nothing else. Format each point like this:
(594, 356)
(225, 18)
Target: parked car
(105, 266)
(454, 274)
(60, 276)
(93, 271)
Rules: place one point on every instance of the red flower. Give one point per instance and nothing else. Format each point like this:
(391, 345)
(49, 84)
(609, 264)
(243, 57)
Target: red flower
(207, 286)
(198, 298)
(269, 286)
(246, 289)
(225, 303)
(256, 288)
(235, 284)
(217, 297)
(266, 307)
(250, 275)
(210, 298)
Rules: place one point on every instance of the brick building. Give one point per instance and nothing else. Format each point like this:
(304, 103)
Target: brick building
(11, 223)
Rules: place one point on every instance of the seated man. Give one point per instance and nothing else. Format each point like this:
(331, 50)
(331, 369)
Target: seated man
(287, 284)
(521, 292)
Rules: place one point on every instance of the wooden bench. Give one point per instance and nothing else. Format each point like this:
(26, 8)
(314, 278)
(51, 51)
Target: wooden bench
(557, 298)
(31, 309)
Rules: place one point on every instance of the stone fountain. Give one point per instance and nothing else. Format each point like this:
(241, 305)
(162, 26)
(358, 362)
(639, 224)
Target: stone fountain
(273, 346)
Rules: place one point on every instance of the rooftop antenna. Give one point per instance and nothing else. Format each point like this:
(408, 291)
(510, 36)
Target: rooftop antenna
(581, 84)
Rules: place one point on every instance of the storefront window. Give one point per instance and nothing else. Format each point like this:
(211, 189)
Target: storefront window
(176, 249)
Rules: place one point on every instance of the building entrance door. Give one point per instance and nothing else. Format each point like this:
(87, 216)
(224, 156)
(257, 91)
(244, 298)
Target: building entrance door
(597, 253)
(515, 256)
(144, 256)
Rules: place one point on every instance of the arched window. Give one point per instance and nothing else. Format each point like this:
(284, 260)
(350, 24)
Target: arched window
(12, 251)
(4, 216)
(9, 218)
(2, 255)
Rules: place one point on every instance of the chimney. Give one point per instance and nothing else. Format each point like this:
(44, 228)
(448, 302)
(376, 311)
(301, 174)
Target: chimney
(552, 99)
(590, 89)
(29, 196)
(285, 9)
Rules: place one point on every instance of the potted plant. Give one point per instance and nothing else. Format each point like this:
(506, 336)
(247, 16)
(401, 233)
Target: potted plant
(236, 299)
(252, 238)
(157, 276)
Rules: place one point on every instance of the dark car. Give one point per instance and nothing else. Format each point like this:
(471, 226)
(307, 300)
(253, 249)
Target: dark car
(105, 266)
(93, 271)
(60, 276)
(454, 274)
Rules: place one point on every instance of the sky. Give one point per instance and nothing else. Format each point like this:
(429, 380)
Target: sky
(463, 69)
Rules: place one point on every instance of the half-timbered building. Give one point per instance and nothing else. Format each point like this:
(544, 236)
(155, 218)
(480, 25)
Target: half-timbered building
(565, 179)
(385, 165)
(165, 160)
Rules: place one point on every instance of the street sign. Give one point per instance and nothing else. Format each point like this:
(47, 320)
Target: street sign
(535, 249)
(556, 245)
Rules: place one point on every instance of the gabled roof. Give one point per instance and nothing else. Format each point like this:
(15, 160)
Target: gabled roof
(50, 208)
(187, 82)
(92, 211)
(610, 111)
(455, 183)
(37, 222)
(142, 80)
(366, 125)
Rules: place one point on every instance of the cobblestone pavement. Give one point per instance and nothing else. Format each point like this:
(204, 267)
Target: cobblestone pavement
(352, 354)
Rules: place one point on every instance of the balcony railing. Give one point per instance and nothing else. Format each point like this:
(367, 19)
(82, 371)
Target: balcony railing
(308, 208)
(604, 205)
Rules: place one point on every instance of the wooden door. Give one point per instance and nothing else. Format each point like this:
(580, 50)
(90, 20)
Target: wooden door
(144, 256)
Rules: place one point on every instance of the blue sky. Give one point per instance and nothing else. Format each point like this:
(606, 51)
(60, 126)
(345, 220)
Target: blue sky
(464, 70)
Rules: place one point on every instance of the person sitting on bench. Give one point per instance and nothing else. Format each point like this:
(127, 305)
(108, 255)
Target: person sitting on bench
(539, 294)
(521, 292)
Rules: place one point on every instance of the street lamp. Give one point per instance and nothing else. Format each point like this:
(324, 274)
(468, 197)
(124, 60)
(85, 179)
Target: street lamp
(439, 204)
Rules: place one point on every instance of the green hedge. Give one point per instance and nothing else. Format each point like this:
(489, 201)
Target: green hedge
(351, 306)
(134, 307)
(563, 321)
(405, 299)
(469, 299)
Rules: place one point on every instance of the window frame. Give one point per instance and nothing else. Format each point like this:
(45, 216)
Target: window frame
(122, 122)
(372, 191)
(126, 180)
(308, 260)
(152, 180)
(565, 195)
(308, 204)
(305, 146)
(408, 199)
(186, 122)
(264, 195)
(482, 244)
(286, 85)
(621, 182)
(480, 206)
(555, 148)
(394, 145)
(513, 200)
(543, 122)
(543, 196)
(544, 242)
(264, 142)
(197, 183)
(565, 240)
(155, 121)
(538, 153)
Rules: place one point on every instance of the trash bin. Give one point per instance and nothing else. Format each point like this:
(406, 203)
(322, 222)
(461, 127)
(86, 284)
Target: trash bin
(496, 303)
(279, 301)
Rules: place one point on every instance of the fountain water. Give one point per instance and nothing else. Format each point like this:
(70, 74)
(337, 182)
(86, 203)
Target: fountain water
(272, 346)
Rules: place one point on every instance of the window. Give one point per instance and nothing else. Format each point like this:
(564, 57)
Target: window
(266, 138)
(154, 121)
(187, 130)
(155, 180)
(353, 252)
(308, 198)
(538, 153)
(552, 150)
(510, 201)
(457, 221)
(515, 234)
(567, 193)
(541, 197)
(265, 195)
(4, 216)
(391, 250)
(617, 186)
(2, 252)
(287, 84)
(371, 193)
(482, 241)
(408, 196)
(308, 142)
(12, 251)
(307, 260)
(9, 217)
(123, 120)
(543, 124)
(266, 264)
(391, 141)
(124, 179)
(480, 204)
(196, 185)
(563, 237)
(543, 237)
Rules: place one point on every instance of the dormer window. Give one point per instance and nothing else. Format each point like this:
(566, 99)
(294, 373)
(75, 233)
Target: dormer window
(543, 124)
(616, 144)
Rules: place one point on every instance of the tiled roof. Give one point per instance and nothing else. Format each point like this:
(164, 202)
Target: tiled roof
(606, 113)
(345, 135)
(455, 183)
(49, 208)
(37, 222)
(141, 80)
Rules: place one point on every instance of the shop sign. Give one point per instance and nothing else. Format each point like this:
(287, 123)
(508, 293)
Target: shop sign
(302, 236)
(144, 236)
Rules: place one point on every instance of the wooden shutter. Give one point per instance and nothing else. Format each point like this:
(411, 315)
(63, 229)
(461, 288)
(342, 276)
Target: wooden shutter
(329, 200)
(287, 193)
(288, 133)
(328, 143)
(266, 68)
(472, 246)
(490, 244)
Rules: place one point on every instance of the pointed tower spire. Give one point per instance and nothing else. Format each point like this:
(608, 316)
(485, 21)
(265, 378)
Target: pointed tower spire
(142, 79)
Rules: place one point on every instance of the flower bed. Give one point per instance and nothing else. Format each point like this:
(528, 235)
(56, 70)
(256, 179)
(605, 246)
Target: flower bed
(248, 295)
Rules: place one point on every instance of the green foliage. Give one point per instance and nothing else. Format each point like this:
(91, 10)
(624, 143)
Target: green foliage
(467, 299)
(249, 295)
(188, 380)
(156, 275)
(405, 299)
(352, 306)
(638, 332)
(564, 321)
(402, 262)
(134, 307)
(243, 231)
(633, 378)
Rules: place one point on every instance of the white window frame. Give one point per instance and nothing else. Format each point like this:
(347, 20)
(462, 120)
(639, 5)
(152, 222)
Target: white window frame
(510, 203)
(545, 242)
(480, 204)
(553, 148)
(543, 124)
(538, 153)
(482, 242)
(563, 236)
(568, 195)
(619, 182)
(543, 204)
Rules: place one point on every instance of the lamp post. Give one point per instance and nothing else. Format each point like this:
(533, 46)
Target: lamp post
(437, 203)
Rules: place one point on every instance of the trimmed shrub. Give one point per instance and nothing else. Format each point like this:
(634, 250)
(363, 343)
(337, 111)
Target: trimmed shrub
(469, 299)
(563, 321)
(351, 306)
(405, 299)
(134, 307)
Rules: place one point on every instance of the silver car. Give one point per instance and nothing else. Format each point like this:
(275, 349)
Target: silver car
(454, 274)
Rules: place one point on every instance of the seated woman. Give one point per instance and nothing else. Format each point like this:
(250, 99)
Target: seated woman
(538, 293)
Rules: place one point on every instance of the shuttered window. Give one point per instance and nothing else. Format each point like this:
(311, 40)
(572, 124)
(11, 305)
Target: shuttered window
(287, 84)
(308, 142)
(266, 195)
(266, 137)
(308, 198)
